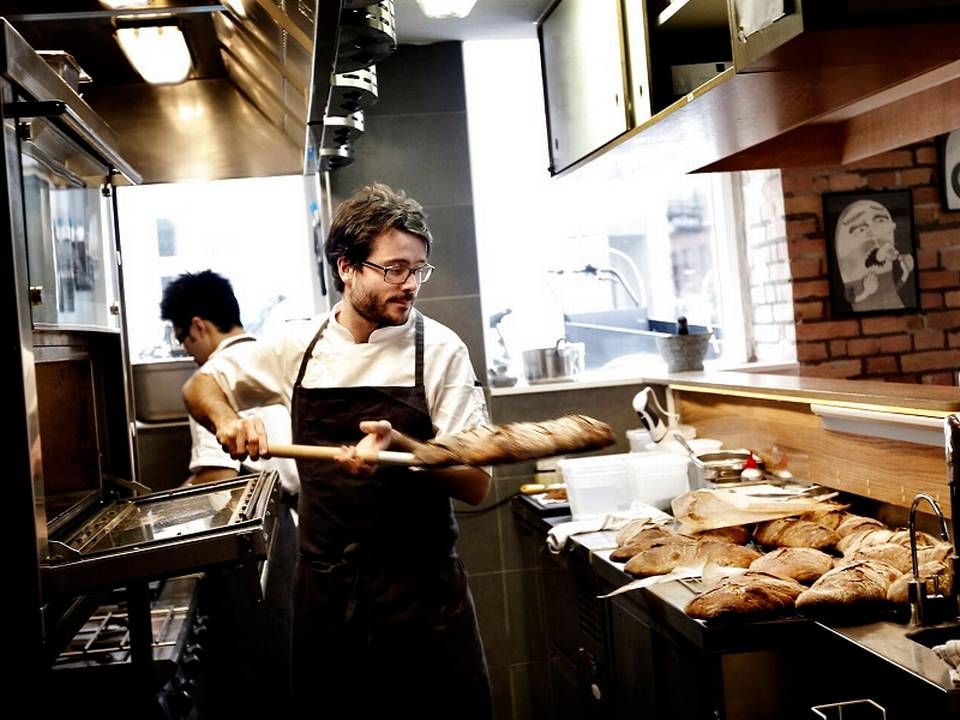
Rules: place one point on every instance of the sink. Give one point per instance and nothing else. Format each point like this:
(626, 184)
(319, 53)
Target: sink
(935, 634)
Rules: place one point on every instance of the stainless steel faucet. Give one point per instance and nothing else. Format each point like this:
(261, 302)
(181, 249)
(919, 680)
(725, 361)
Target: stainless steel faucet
(917, 590)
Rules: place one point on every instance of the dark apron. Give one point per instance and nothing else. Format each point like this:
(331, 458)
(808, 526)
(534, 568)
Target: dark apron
(383, 617)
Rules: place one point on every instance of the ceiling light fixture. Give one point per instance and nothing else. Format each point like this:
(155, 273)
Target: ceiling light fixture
(123, 4)
(446, 8)
(158, 52)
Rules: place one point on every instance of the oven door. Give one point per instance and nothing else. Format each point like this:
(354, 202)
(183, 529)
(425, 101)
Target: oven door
(69, 228)
(166, 534)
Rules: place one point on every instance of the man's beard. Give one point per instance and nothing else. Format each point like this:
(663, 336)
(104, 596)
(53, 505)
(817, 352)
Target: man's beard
(374, 311)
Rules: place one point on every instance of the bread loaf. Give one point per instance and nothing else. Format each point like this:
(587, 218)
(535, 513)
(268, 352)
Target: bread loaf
(902, 537)
(863, 538)
(853, 523)
(663, 556)
(899, 588)
(645, 528)
(670, 553)
(793, 532)
(828, 518)
(850, 584)
(890, 553)
(749, 594)
(801, 564)
(736, 534)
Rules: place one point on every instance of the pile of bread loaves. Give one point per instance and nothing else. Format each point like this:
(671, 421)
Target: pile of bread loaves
(819, 560)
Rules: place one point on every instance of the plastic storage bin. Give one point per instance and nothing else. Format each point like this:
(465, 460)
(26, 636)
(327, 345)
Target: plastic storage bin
(656, 478)
(597, 485)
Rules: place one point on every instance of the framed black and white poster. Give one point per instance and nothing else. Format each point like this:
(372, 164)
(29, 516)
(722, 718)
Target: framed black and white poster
(950, 170)
(871, 252)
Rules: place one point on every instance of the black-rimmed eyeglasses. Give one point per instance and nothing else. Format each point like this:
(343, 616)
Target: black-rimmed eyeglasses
(397, 275)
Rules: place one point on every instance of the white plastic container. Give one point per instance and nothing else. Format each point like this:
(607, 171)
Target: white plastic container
(597, 485)
(656, 478)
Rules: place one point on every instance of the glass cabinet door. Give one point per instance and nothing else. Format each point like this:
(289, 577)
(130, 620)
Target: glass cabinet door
(69, 228)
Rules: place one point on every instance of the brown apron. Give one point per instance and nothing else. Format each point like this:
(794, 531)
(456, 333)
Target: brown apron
(383, 617)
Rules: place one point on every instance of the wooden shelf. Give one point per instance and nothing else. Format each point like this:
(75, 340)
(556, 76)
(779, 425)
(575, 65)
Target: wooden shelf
(682, 15)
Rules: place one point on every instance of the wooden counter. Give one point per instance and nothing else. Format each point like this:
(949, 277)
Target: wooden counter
(891, 450)
(904, 398)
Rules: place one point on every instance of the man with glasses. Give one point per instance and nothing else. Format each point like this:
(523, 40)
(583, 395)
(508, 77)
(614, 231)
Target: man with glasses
(383, 617)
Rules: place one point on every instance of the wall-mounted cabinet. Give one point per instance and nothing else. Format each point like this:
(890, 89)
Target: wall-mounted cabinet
(585, 77)
(742, 84)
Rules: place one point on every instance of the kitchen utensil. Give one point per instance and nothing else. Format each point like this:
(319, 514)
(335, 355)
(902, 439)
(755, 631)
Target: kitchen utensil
(563, 361)
(683, 352)
(715, 468)
(488, 445)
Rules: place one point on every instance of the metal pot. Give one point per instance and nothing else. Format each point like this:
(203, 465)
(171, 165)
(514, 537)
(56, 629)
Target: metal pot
(717, 468)
(564, 361)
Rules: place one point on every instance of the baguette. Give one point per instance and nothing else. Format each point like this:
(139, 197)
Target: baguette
(793, 532)
(490, 445)
(749, 594)
(801, 564)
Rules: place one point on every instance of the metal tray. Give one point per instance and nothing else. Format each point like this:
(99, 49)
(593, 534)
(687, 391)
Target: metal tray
(166, 534)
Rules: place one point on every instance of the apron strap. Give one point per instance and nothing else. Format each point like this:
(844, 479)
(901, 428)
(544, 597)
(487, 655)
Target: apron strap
(418, 373)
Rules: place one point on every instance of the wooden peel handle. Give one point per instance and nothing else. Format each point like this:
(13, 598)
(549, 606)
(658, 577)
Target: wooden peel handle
(321, 452)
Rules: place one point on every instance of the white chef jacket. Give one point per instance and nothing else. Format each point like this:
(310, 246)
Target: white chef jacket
(205, 451)
(264, 372)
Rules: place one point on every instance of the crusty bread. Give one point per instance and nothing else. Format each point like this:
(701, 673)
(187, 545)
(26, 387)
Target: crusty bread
(640, 539)
(489, 445)
(801, 564)
(736, 534)
(898, 591)
(890, 553)
(828, 518)
(670, 553)
(863, 538)
(938, 553)
(850, 584)
(902, 537)
(853, 523)
(748, 594)
(635, 529)
(663, 556)
(793, 532)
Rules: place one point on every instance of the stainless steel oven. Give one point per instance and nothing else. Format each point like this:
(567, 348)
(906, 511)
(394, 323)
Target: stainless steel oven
(79, 524)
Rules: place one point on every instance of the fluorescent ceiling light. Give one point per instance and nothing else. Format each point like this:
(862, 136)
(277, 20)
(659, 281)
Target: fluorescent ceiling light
(446, 8)
(159, 52)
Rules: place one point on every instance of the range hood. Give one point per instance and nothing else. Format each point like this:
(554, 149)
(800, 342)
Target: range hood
(278, 87)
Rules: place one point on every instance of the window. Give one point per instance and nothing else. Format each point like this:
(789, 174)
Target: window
(608, 255)
(255, 232)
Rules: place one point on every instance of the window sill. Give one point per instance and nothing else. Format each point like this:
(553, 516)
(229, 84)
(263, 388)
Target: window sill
(635, 375)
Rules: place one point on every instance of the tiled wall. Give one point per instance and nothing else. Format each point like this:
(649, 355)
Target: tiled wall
(416, 140)
(505, 561)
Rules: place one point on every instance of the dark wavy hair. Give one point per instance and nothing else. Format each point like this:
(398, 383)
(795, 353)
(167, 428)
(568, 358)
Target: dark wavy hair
(204, 294)
(368, 213)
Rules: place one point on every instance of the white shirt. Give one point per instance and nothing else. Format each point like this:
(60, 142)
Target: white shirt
(205, 451)
(264, 372)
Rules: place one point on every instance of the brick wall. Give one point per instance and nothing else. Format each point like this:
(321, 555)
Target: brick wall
(921, 347)
(771, 298)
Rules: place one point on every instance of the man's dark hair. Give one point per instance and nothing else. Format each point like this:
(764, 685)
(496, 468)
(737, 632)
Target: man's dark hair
(204, 294)
(364, 216)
